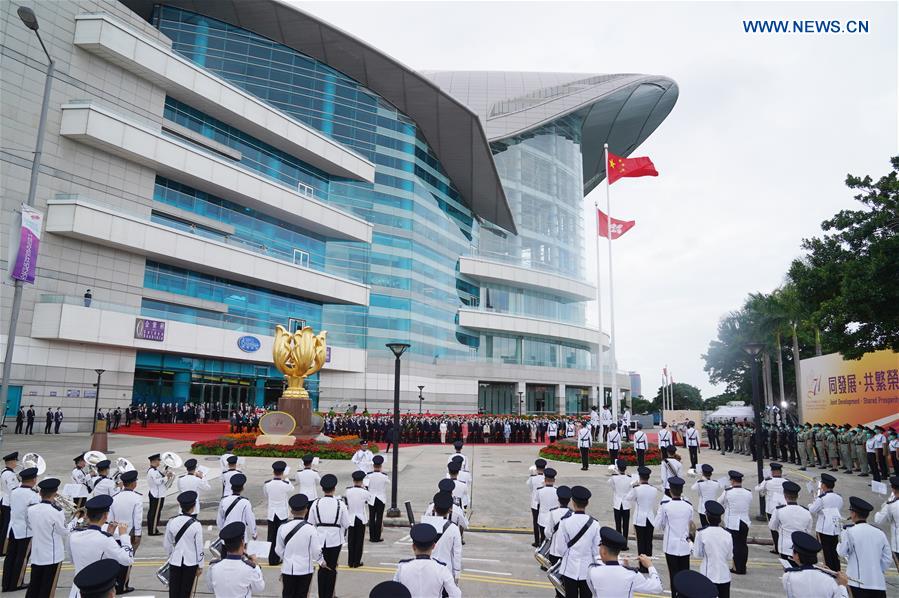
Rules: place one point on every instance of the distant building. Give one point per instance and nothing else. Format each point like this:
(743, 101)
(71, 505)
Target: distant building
(636, 384)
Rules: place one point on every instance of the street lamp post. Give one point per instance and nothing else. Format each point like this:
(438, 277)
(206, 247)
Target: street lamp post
(98, 438)
(421, 399)
(520, 401)
(397, 349)
(753, 350)
(30, 20)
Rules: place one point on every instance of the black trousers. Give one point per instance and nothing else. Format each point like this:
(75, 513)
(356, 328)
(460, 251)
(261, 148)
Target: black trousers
(17, 552)
(622, 521)
(576, 588)
(874, 466)
(694, 456)
(43, 580)
(181, 581)
(884, 470)
(271, 536)
(47, 426)
(644, 538)
(741, 550)
(327, 578)
(19, 426)
(613, 455)
(355, 541)
(829, 549)
(153, 514)
(57, 424)
(539, 533)
(723, 590)
(860, 593)
(641, 457)
(4, 527)
(676, 564)
(122, 578)
(295, 586)
(29, 427)
(585, 457)
(704, 522)
(375, 521)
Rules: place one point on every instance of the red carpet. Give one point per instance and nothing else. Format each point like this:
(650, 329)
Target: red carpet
(187, 432)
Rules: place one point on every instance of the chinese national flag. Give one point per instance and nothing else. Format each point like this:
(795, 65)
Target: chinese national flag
(619, 227)
(629, 167)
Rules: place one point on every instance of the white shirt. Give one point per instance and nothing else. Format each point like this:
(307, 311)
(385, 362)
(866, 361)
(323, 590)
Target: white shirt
(304, 549)
(223, 461)
(736, 503)
(871, 445)
(584, 439)
(867, 555)
(707, 489)
(362, 459)
(674, 518)
(611, 580)
(808, 582)
(457, 515)
(93, 544)
(692, 437)
(331, 517)
(464, 460)
(670, 468)
(606, 417)
(128, 508)
(377, 483)
(189, 549)
(664, 437)
(626, 417)
(555, 516)
(613, 440)
(357, 501)
(226, 482)
(426, 578)
(889, 514)
(715, 546)
(9, 481)
(552, 429)
(276, 492)
(19, 500)
(80, 477)
(621, 485)
(104, 485)
(827, 508)
(460, 492)
(640, 441)
(773, 488)
(242, 511)
(191, 482)
(787, 519)
(156, 483)
(448, 549)
(577, 559)
(233, 578)
(645, 498)
(547, 498)
(594, 417)
(879, 440)
(535, 482)
(48, 528)
(308, 483)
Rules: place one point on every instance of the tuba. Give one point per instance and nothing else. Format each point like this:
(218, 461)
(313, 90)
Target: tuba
(121, 466)
(92, 458)
(171, 461)
(34, 460)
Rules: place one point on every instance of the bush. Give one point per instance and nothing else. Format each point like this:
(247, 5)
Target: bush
(245, 446)
(567, 450)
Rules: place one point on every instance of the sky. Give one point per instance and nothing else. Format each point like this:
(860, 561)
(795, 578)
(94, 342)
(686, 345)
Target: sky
(752, 158)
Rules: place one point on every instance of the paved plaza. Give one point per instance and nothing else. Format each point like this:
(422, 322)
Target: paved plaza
(497, 558)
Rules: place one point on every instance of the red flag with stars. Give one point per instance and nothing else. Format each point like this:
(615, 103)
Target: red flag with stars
(619, 167)
(619, 227)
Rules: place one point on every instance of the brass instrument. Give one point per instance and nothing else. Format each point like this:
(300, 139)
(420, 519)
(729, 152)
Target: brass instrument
(122, 465)
(171, 461)
(92, 458)
(34, 460)
(555, 578)
(541, 554)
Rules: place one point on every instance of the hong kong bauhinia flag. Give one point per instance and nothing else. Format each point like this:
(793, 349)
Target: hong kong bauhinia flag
(629, 167)
(619, 227)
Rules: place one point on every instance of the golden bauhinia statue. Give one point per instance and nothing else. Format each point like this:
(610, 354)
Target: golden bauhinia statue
(298, 356)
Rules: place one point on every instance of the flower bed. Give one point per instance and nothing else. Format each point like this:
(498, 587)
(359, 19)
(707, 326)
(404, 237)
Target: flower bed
(567, 450)
(245, 446)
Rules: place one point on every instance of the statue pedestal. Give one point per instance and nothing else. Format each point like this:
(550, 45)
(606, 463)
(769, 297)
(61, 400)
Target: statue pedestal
(301, 410)
(264, 439)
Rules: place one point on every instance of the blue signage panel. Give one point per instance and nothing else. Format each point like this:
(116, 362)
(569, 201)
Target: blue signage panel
(249, 344)
(149, 330)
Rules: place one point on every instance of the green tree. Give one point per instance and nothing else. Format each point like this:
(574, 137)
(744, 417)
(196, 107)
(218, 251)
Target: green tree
(642, 406)
(712, 403)
(686, 396)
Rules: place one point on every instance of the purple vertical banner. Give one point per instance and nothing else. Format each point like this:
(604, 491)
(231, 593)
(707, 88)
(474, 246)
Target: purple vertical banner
(25, 264)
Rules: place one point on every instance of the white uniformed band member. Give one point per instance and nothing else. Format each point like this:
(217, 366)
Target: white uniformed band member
(231, 462)
(579, 539)
(156, 491)
(277, 491)
(308, 479)
(613, 442)
(448, 549)
(17, 548)
(193, 480)
(563, 493)
(772, 489)
(81, 479)
(826, 507)
(424, 576)
(675, 519)
(93, 543)
(645, 499)
(610, 578)
(9, 481)
(664, 439)
(534, 483)
(457, 515)
(357, 499)
(237, 508)
(671, 468)
(299, 546)
(691, 437)
(707, 489)
(127, 508)
(641, 443)
(584, 442)
(715, 546)
(889, 515)
(102, 483)
(546, 498)
(621, 484)
(362, 458)
(48, 526)
(457, 446)
(867, 552)
(96, 579)
(183, 542)
(803, 579)
(736, 501)
(789, 518)
(236, 575)
(460, 489)
(331, 518)
(376, 482)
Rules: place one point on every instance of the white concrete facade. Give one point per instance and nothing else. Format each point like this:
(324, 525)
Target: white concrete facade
(488, 270)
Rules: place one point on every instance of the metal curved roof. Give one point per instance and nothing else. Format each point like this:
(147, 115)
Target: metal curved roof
(452, 130)
(621, 110)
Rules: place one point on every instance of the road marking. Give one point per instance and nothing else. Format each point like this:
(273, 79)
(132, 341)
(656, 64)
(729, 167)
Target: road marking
(487, 572)
(407, 539)
(465, 558)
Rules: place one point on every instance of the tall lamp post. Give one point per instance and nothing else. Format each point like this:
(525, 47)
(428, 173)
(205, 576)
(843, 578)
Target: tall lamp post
(30, 20)
(397, 349)
(520, 401)
(98, 437)
(753, 350)
(421, 399)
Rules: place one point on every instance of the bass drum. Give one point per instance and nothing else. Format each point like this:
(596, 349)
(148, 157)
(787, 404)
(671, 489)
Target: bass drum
(555, 578)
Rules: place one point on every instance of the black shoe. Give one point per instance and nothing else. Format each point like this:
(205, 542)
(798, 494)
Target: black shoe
(802, 469)
(862, 475)
(535, 545)
(127, 590)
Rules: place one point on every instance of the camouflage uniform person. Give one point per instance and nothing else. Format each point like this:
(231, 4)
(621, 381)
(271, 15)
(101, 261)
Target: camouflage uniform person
(844, 438)
(738, 439)
(861, 453)
(801, 433)
(821, 446)
(830, 438)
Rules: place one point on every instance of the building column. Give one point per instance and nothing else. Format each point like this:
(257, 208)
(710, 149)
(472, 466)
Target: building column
(559, 394)
(181, 388)
(593, 396)
(259, 390)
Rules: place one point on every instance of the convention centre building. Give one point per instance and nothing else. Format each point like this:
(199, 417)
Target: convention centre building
(214, 168)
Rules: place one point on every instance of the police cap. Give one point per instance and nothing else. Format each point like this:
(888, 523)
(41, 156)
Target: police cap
(298, 502)
(101, 502)
(693, 584)
(860, 505)
(233, 530)
(328, 481)
(581, 494)
(358, 475)
(612, 539)
(48, 484)
(423, 535)
(390, 589)
(550, 473)
(97, 578)
(563, 493)
(803, 542)
(129, 476)
(238, 479)
(187, 498)
(714, 508)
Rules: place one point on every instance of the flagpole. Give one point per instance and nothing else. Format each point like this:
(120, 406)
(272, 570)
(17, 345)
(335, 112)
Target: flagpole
(602, 388)
(613, 360)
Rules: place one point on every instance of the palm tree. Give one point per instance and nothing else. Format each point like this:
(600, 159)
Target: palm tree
(792, 306)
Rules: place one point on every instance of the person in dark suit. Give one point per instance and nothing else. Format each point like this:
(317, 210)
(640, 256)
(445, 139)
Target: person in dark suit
(57, 420)
(20, 420)
(29, 419)
(49, 423)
